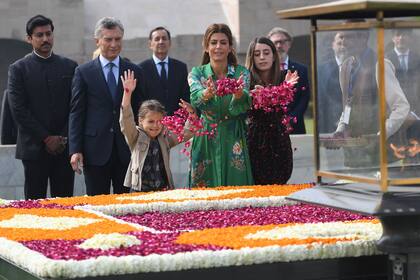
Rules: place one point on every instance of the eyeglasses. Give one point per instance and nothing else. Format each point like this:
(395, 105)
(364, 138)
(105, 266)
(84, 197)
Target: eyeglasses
(281, 42)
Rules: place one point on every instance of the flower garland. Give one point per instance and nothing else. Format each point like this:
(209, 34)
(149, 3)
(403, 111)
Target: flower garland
(267, 192)
(18, 224)
(239, 237)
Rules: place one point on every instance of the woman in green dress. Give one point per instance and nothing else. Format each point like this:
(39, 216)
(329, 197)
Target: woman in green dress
(222, 160)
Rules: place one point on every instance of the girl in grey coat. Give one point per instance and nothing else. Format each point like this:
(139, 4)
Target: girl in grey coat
(149, 143)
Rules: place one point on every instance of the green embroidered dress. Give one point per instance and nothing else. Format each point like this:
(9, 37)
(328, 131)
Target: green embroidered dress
(222, 160)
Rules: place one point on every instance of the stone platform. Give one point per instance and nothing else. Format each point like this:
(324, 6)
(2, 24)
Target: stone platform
(12, 178)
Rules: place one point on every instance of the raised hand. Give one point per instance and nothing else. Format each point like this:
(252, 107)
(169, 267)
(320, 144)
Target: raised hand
(210, 90)
(128, 81)
(129, 84)
(291, 77)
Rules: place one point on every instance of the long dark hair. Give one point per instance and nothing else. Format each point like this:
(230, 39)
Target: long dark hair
(218, 28)
(275, 73)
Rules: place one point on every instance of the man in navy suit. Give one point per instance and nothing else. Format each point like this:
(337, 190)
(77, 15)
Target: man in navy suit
(283, 41)
(330, 98)
(165, 78)
(95, 139)
(407, 66)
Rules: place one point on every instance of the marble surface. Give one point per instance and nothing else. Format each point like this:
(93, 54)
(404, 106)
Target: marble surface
(12, 178)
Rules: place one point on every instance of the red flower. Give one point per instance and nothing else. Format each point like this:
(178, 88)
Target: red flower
(228, 86)
(275, 99)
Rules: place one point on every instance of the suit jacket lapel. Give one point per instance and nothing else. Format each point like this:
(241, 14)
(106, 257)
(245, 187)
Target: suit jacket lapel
(154, 70)
(171, 72)
(123, 67)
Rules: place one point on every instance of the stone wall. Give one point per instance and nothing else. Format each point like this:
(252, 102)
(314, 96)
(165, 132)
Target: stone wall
(12, 178)
(68, 18)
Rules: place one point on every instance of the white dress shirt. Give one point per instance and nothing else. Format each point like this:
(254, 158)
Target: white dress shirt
(115, 69)
(159, 67)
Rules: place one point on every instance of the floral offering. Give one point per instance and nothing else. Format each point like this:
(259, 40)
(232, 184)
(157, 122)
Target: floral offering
(275, 99)
(227, 86)
(176, 124)
(177, 230)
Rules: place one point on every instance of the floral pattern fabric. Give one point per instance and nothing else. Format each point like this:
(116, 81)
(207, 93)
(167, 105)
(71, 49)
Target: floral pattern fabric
(222, 160)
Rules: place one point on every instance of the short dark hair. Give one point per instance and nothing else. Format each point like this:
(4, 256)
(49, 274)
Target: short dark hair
(38, 20)
(159, 28)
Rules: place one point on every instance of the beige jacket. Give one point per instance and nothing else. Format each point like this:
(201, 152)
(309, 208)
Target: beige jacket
(138, 142)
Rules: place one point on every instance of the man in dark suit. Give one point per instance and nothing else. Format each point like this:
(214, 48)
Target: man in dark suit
(39, 89)
(95, 139)
(165, 78)
(8, 124)
(407, 66)
(330, 98)
(283, 41)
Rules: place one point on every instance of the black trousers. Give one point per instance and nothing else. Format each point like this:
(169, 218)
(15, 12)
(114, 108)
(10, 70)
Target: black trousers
(98, 178)
(55, 169)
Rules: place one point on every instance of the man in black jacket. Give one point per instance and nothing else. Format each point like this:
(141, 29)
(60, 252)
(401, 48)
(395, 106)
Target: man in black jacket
(330, 98)
(39, 88)
(8, 125)
(165, 78)
(407, 66)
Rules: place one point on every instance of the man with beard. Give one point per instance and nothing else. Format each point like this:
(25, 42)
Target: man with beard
(39, 89)
(283, 42)
(165, 78)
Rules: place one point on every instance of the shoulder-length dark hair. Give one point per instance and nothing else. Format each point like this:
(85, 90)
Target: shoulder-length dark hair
(218, 28)
(275, 74)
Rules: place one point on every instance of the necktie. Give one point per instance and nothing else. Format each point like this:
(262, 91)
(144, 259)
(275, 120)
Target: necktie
(112, 83)
(283, 66)
(403, 62)
(163, 76)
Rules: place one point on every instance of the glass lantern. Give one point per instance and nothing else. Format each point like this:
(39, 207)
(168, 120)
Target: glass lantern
(366, 92)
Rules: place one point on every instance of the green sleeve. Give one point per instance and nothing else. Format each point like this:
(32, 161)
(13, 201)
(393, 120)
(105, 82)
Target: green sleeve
(196, 80)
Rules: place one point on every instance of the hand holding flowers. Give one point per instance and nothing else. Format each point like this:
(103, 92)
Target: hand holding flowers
(210, 90)
(291, 77)
(276, 98)
(228, 86)
(176, 123)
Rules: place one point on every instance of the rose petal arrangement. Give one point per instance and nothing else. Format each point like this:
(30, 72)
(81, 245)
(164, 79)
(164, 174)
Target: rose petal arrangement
(176, 230)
